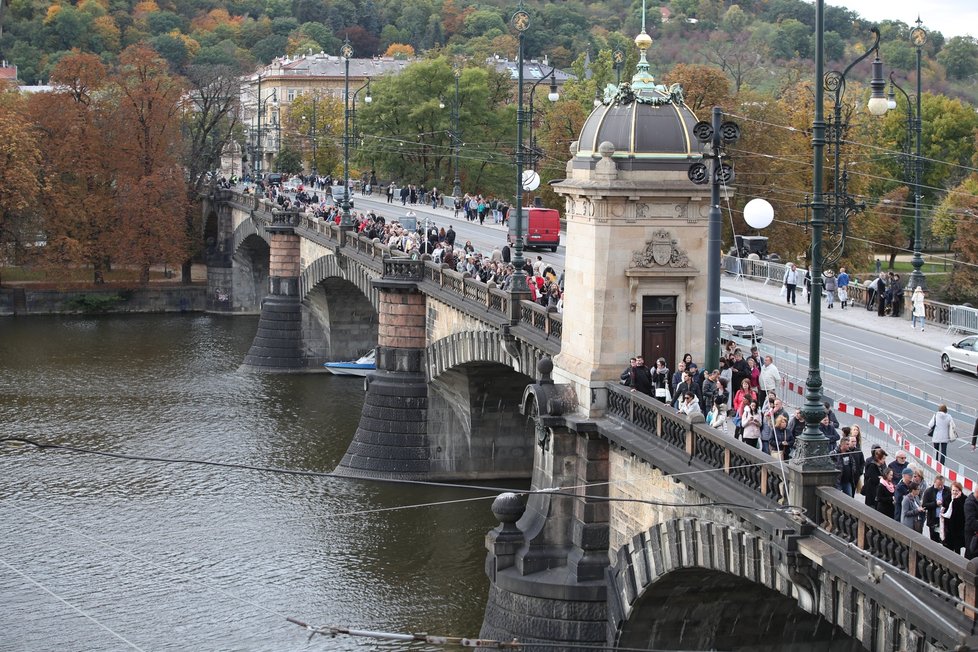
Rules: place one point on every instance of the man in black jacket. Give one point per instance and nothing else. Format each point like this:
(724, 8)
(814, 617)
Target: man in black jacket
(935, 500)
(641, 377)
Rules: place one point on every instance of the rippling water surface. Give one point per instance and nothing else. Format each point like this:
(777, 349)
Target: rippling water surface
(108, 554)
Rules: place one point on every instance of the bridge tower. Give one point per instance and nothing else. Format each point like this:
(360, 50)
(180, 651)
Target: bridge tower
(278, 344)
(635, 280)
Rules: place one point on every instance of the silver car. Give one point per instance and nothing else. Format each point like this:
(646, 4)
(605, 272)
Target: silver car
(961, 355)
(737, 322)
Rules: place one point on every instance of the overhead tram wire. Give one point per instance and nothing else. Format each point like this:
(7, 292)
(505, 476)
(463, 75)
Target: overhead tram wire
(558, 491)
(879, 148)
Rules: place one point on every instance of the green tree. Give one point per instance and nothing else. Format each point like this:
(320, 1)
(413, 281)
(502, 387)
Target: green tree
(959, 57)
(326, 111)
(289, 159)
(407, 136)
(735, 20)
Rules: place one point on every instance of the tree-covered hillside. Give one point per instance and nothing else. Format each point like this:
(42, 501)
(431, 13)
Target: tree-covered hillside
(770, 34)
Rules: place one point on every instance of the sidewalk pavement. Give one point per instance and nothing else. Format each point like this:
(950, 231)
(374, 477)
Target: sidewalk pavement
(934, 337)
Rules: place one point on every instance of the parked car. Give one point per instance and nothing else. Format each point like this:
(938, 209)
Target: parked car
(963, 354)
(737, 322)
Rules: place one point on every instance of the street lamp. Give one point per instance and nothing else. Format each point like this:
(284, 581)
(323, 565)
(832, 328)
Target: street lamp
(262, 103)
(918, 36)
(367, 100)
(346, 52)
(812, 448)
(553, 96)
(843, 205)
(618, 60)
(520, 20)
(456, 136)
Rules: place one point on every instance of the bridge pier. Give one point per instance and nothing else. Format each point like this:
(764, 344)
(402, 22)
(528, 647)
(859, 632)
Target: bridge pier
(277, 347)
(547, 569)
(391, 440)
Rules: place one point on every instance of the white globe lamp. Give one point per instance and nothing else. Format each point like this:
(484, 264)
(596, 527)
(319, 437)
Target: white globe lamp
(758, 213)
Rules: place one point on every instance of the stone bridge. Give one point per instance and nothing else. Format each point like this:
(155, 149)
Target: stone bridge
(454, 354)
(641, 529)
(673, 535)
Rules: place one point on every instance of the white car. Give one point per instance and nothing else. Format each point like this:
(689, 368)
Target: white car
(961, 355)
(737, 322)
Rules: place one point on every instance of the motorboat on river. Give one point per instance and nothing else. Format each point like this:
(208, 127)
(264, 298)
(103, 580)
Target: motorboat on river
(358, 367)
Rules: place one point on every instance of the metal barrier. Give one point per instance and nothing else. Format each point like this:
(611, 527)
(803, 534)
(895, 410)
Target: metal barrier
(964, 320)
(954, 317)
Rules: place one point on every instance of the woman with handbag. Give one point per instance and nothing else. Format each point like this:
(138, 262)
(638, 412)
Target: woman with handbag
(941, 431)
(912, 512)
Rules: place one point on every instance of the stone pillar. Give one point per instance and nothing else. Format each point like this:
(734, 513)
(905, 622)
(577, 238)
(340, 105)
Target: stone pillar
(220, 269)
(391, 440)
(277, 347)
(547, 571)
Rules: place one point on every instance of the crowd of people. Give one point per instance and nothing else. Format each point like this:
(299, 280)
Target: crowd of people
(426, 241)
(742, 398)
(884, 293)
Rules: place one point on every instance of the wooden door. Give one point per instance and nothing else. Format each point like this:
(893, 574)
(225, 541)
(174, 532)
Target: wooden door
(659, 330)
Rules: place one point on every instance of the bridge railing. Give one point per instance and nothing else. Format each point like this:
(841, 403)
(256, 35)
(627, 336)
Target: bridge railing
(493, 299)
(897, 545)
(747, 465)
(543, 319)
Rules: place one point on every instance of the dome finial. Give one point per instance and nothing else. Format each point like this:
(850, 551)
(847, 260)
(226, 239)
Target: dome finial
(643, 79)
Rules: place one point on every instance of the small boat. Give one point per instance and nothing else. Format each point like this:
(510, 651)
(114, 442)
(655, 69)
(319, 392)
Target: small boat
(358, 368)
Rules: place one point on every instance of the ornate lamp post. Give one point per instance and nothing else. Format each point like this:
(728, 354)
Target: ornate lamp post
(262, 103)
(918, 36)
(618, 60)
(553, 96)
(456, 135)
(812, 447)
(353, 112)
(346, 52)
(520, 20)
(843, 205)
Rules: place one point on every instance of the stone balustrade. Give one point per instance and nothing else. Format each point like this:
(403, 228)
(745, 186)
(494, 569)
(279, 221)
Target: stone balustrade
(899, 546)
(837, 513)
(744, 463)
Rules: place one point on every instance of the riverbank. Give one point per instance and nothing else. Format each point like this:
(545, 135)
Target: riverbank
(29, 299)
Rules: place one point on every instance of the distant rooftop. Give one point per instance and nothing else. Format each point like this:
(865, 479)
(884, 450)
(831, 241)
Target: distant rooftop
(325, 65)
(533, 69)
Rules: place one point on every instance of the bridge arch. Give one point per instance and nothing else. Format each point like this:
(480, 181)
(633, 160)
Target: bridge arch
(480, 346)
(339, 311)
(473, 420)
(250, 263)
(701, 585)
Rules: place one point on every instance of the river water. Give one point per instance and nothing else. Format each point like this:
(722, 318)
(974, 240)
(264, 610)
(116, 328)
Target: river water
(108, 554)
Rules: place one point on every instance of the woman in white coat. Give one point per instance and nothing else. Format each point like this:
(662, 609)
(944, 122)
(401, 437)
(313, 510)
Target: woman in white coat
(942, 431)
(917, 311)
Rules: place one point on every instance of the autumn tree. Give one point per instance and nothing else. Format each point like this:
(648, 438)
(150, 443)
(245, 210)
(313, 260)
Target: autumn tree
(703, 86)
(20, 160)
(316, 121)
(399, 51)
(150, 186)
(77, 205)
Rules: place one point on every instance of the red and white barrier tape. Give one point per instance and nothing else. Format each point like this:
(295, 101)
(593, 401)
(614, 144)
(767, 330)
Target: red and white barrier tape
(897, 437)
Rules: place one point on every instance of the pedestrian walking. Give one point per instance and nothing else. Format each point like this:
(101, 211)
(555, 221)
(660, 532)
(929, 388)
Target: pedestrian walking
(831, 284)
(843, 287)
(941, 430)
(791, 282)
